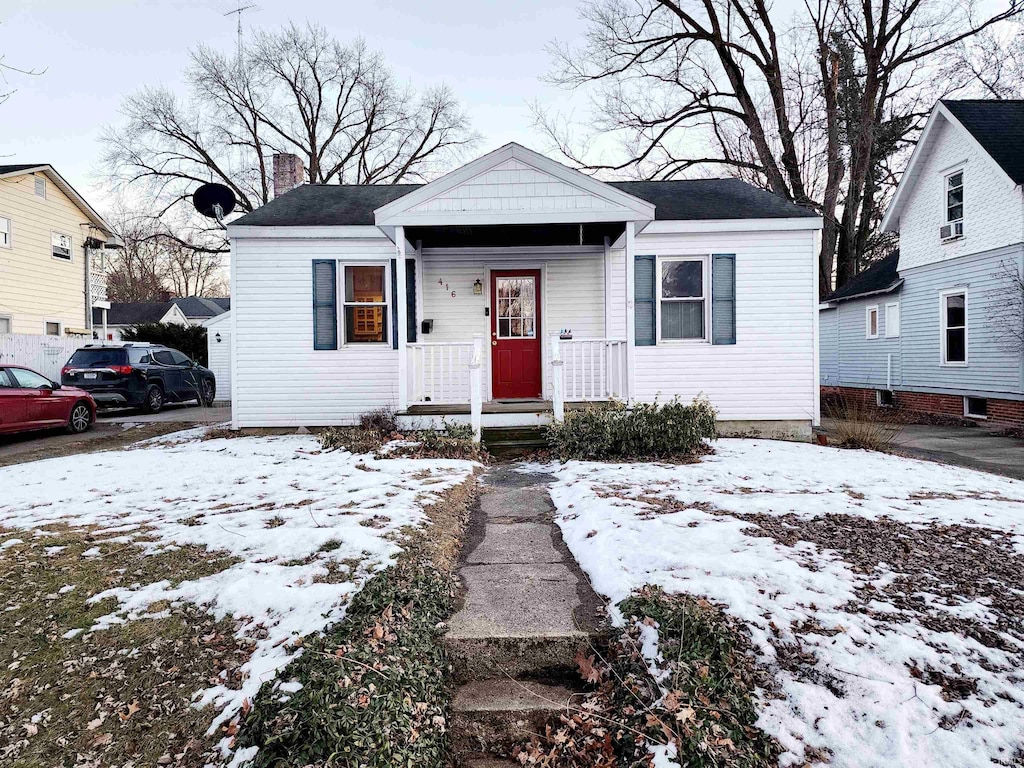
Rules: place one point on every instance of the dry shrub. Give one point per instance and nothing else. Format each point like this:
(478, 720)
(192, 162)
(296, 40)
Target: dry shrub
(860, 424)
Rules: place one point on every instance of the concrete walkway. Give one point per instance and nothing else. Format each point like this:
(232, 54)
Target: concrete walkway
(526, 611)
(971, 447)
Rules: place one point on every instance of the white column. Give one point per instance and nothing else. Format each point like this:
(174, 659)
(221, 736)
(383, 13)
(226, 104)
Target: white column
(557, 382)
(476, 398)
(630, 316)
(104, 311)
(607, 288)
(403, 311)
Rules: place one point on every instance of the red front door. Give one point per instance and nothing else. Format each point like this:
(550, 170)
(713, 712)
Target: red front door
(515, 335)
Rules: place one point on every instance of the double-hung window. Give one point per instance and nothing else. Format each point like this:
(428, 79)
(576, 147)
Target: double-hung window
(683, 299)
(955, 197)
(871, 323)
(60, 245)
(366, 306)
(953, 316)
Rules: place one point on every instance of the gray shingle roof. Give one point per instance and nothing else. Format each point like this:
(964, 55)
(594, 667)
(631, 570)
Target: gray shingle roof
(880, 277)
(998, 126)
(200, 306)
(131, 313)
(20, 167)
(353, 205)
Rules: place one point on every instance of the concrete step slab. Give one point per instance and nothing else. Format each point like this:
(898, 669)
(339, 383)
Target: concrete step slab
(492, 716)
(514, 543)
(515, 504)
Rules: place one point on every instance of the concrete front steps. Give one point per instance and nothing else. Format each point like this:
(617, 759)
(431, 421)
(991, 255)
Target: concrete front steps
(509, 442)
(526, 611)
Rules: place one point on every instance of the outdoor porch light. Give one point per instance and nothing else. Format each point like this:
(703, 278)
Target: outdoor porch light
(478, 287)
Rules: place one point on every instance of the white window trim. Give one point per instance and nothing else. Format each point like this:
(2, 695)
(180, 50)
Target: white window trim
(10, 231)
(705, 260)
(71, 248)
(943, 295)
(967, 412)
(342, 304)
(60, 326)
(899, 321)
(945, 194)
(867, 322)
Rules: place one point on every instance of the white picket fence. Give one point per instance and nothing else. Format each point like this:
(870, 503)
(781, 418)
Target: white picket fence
(46, 354)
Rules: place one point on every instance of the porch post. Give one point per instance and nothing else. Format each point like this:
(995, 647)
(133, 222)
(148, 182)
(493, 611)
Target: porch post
(403, 311)
(476, 398)
(630, 316)
(557, 385)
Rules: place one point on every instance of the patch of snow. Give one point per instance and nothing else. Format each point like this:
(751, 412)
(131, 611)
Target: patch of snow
(289, 514)
(862, 705)
(92, 552)
(663, 756)
(50, 551)
(10, 543)
(65, 589)
(72, 633)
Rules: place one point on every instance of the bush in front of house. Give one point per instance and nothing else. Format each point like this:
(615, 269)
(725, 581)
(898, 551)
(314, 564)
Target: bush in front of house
(645, 431)
(187, 339)
(379, 427)
(858, 423)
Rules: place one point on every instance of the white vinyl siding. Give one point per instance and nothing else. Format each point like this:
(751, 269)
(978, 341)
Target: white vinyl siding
(279, 379)
(769, 373)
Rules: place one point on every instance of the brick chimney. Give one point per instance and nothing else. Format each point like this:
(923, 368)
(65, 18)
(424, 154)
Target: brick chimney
(289, 172)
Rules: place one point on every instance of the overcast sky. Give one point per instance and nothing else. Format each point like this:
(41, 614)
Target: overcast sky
(96, 51)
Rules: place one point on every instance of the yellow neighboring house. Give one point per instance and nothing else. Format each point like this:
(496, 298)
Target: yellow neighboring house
(52, 254)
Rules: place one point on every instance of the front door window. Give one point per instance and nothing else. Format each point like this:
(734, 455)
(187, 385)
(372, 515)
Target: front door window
(517, 315)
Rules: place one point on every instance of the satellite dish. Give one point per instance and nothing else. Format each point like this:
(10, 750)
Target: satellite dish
(215, 201)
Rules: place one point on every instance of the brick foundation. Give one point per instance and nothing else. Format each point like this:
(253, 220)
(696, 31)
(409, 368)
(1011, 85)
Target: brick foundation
(999, 411)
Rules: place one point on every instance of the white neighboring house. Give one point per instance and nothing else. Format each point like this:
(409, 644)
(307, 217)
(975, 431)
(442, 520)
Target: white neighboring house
(121, 316)
(218, 349)
(374, 296)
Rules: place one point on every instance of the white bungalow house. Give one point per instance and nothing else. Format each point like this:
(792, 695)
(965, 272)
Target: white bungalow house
(550, 286)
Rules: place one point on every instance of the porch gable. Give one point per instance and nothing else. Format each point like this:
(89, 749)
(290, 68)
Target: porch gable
(513, 185)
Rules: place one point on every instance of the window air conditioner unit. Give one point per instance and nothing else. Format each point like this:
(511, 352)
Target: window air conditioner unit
(951, 231)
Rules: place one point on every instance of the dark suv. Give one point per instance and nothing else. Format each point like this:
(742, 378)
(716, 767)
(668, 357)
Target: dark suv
(137, 374)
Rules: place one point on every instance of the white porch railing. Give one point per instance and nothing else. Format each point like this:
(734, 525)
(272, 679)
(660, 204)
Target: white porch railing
(593, 369)
(439, 372)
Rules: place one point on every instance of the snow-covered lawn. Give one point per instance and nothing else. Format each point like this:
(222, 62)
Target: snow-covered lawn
(305, 529)
(887, 594)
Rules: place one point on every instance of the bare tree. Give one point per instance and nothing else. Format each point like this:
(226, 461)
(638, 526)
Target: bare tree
(814, 108)
(338, 106)
(6, 70)
(155, 265)
(1006, 308)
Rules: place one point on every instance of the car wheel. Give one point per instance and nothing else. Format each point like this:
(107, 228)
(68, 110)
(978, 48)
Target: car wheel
(208, 393)
(154, 401)
(80, 419)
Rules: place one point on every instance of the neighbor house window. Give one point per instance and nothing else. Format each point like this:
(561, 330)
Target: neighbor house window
(953, 308)
(5, 324)
(40, 187)
(892, 320)
(976, 407)
(871, 323)
(5, 232)
(52, 328)
(955, 197)
(682, 305)
(365, 309)
(61, 245)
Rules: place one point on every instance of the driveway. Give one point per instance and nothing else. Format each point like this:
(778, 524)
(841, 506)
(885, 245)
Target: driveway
(113, 429)
(972, 447)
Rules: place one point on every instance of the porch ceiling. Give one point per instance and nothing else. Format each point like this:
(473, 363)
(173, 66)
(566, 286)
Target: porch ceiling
(511, 235)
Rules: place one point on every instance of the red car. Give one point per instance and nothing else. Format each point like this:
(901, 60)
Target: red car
(29, 400)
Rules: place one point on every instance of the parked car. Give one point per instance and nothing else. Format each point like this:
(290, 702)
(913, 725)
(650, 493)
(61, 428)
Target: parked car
(134, 374)
(29, 401)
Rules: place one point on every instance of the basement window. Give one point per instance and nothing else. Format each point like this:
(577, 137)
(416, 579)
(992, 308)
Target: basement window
(886, 399)
(976, 407)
